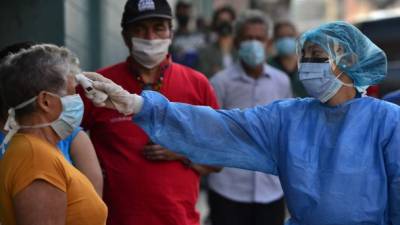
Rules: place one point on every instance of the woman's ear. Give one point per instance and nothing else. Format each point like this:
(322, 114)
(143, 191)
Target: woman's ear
(47, 102)
(49, 105)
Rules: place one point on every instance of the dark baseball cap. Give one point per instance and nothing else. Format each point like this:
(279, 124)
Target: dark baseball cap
(143, 9)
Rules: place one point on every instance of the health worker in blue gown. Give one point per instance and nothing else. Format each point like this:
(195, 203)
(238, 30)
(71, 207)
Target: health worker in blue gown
(337, 154)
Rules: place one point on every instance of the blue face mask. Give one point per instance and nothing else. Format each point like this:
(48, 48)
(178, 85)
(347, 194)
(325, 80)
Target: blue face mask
(69, 120)
(285, 46)
(319, 80)
(252, 53)
(71, 116)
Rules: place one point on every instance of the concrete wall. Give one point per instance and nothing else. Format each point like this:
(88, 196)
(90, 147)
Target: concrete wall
(93, 31)
(77, 31)
(112, 45)
(31, 20)
(90, 28)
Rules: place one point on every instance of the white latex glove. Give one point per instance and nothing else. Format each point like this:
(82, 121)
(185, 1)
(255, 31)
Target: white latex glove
(118, 98)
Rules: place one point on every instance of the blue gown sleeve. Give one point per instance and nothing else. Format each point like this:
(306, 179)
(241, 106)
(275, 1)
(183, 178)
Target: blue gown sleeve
(230, 138)
(392, 161)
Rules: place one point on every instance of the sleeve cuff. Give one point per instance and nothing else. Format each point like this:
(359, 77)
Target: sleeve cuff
(137, 103)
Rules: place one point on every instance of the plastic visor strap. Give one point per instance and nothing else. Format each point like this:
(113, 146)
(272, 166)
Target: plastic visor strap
(11, 124)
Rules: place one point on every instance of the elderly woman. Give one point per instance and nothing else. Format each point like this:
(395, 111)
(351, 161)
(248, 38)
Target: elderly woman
(37, 184)
(337, 154)
(76, 148)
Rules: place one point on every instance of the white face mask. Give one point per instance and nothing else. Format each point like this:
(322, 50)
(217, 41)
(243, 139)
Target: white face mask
(150, 53)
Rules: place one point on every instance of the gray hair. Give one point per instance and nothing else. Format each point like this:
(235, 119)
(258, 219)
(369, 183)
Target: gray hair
(43, 67)
(253, 16)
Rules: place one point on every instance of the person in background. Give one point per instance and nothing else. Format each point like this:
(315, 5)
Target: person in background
(374, 91)
(186, 42)
(285, 34)
(144, 182)
(37, 184)
(236, 196)
(203, 28)
(76, 148)
(337, 153)
(221, 53)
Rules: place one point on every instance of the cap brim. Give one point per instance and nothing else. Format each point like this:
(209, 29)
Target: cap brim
(148, 16)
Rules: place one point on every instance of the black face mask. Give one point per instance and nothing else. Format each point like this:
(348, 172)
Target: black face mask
(183, 20)
(224, 28)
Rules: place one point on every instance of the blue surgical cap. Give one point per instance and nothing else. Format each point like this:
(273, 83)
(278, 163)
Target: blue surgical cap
(351, 50)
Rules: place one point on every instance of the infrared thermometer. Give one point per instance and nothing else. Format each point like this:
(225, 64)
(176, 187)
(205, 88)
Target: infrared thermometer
(95, 95)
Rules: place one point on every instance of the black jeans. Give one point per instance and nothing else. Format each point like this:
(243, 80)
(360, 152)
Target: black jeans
(227, 212)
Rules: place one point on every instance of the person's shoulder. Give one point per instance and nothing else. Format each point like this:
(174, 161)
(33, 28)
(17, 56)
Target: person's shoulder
(31, 149)
(113, 70)
(380, 107)
(393, 97)
(29, 158)
(21, 146)
(72, 136)
(65, 144)
(383, 104)
(225, 74)
(39, 146)
(277, 74)
(180, 70)
(387, 111)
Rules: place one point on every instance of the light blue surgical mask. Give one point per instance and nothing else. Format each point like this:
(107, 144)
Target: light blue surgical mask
(252, 52)
(69, 119)
(319, 80)
(71, 116)
(285, 46)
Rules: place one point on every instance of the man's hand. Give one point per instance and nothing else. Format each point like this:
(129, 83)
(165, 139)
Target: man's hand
(158, 153)
(155, 152)
(118, 98)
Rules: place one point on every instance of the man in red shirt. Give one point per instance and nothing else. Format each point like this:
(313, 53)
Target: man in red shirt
(145, 183)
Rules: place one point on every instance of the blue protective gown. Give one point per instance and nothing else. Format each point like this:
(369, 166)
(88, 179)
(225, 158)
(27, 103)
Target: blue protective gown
(337, 165)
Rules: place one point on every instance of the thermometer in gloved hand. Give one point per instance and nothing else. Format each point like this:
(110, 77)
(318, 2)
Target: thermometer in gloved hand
(95, 95)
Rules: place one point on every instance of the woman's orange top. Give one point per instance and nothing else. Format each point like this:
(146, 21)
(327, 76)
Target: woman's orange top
(29, 158)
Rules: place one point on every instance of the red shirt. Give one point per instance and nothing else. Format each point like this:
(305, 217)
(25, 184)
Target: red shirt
(373, 91)
(136, 190)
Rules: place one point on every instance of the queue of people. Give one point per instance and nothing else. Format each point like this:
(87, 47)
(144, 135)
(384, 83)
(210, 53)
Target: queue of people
(239, 196)
(146, 183)
(228, 113)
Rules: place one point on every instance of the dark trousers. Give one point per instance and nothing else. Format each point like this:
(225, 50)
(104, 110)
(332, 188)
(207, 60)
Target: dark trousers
(227, 212)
